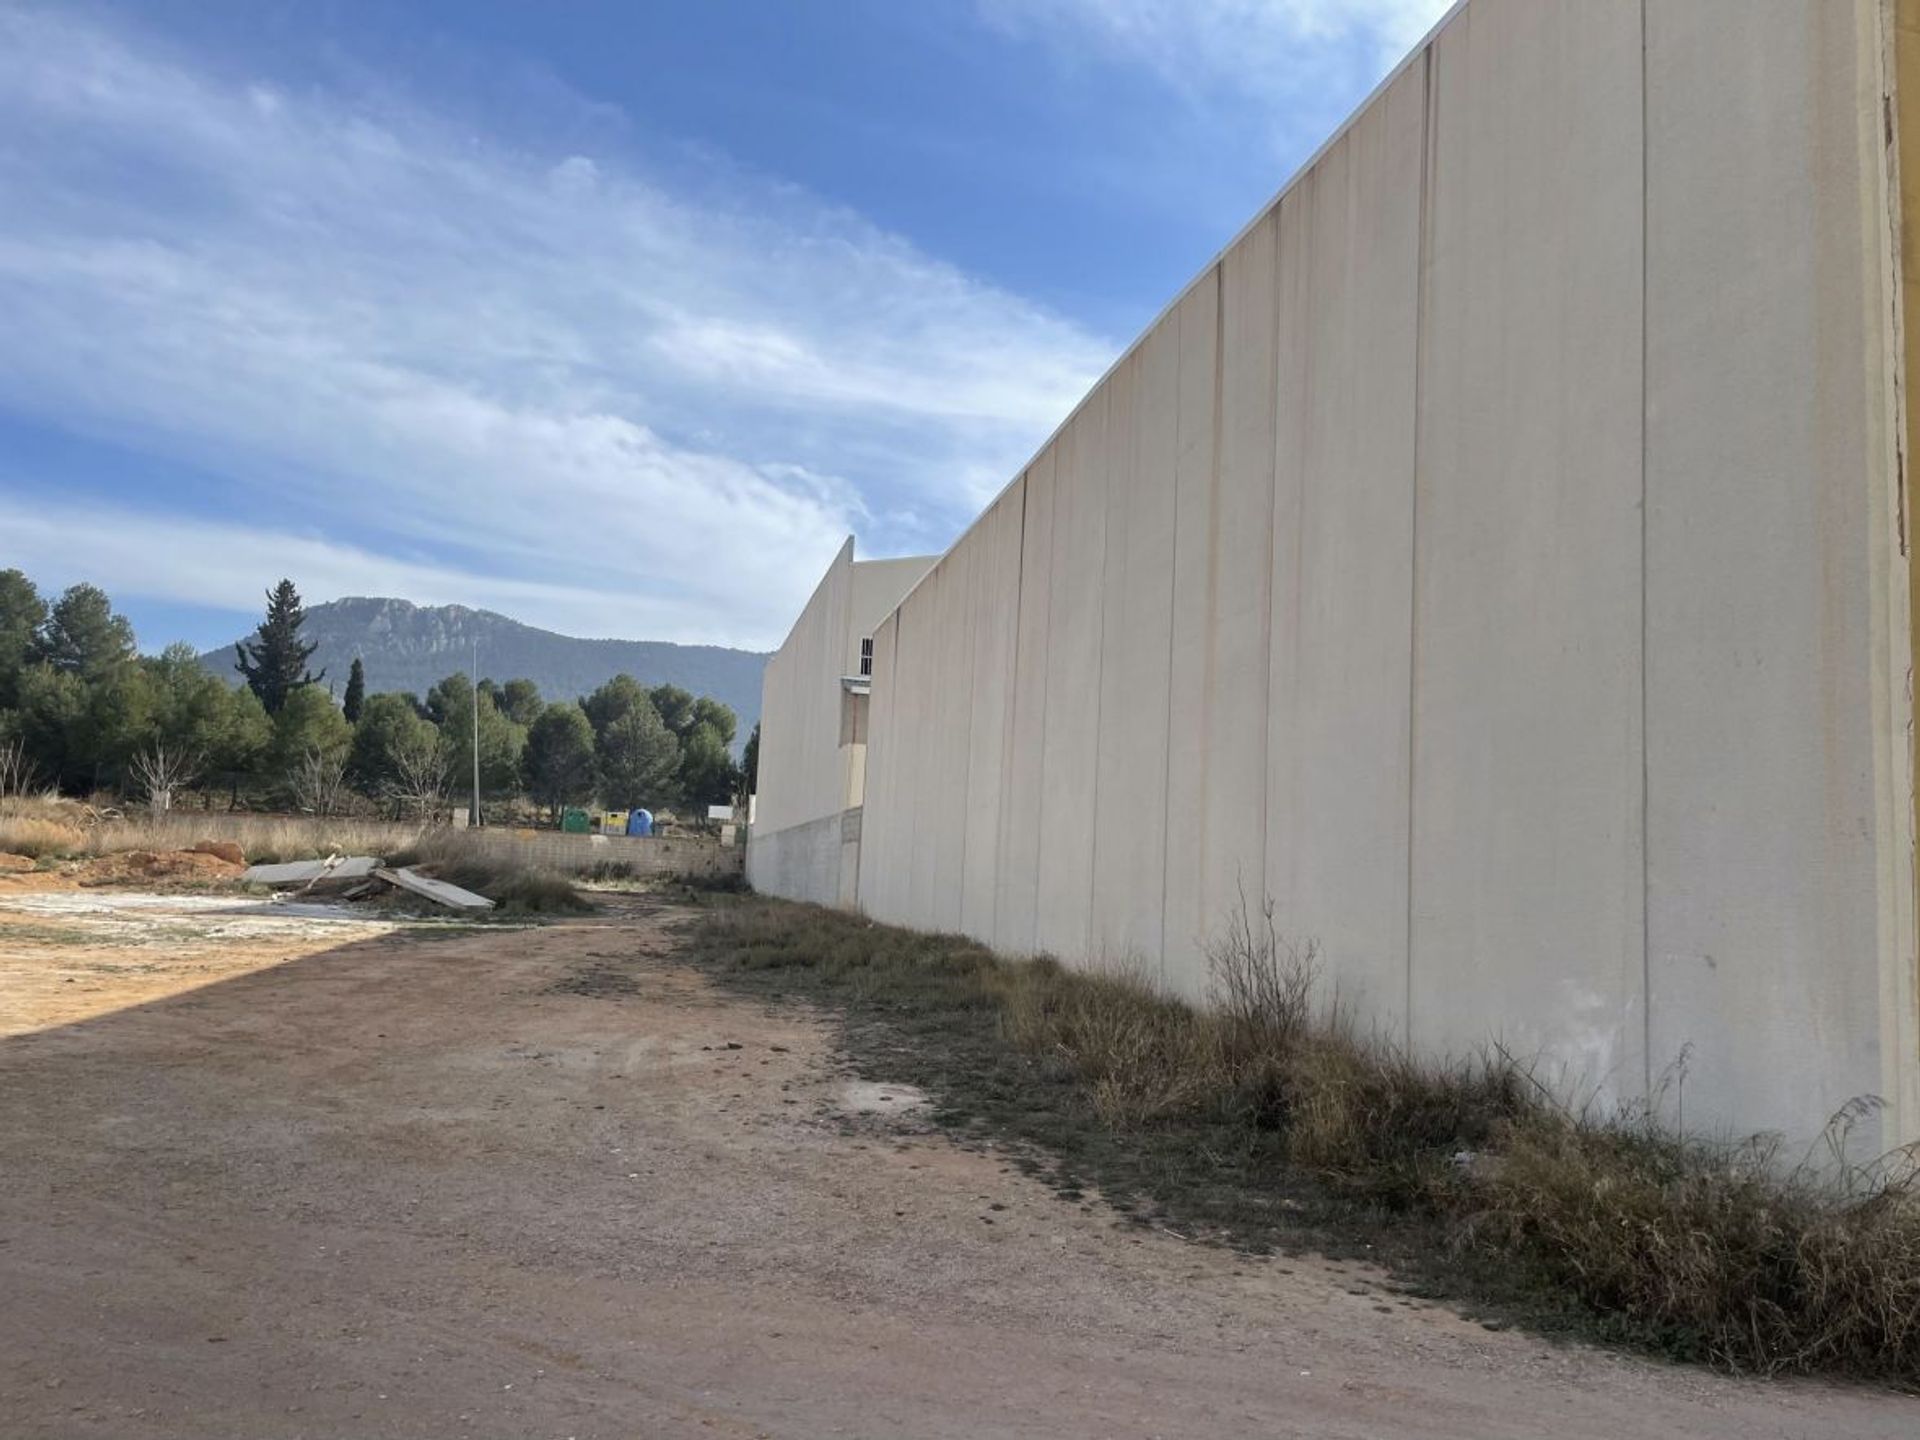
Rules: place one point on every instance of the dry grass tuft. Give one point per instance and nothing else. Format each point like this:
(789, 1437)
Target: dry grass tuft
(1137, 1050)
(264, 839)
(39, 838)
(1716, 1251)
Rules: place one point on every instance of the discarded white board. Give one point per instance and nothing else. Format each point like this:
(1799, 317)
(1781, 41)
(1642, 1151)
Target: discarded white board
(305, 872)
(439, 891)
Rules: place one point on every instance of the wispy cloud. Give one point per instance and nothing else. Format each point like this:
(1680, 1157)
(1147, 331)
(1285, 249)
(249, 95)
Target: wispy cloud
(1275, 62)
(1248, 44)
(432, 363)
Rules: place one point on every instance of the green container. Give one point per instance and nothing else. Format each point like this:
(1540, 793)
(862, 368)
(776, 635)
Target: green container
(574, 822)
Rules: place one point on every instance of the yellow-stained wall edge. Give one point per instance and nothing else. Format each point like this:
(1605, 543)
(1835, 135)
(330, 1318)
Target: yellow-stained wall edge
(1901, 39)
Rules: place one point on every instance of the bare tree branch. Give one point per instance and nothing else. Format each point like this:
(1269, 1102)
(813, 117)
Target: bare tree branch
(319, 781)
(161, 769)
(422, 772)
(19, 776)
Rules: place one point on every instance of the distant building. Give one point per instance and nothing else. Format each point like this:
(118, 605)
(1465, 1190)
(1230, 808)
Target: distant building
(805, 836)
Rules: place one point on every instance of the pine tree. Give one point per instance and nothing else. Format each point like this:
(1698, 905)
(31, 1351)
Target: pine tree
(356, 692)
(82, 635)
(22, 613)
(638, 759)
(559, 757)
(275, 662)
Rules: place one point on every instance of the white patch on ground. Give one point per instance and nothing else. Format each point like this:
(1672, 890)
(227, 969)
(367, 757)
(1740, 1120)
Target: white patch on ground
(102, 902)
(867, 1097)
(134, 918)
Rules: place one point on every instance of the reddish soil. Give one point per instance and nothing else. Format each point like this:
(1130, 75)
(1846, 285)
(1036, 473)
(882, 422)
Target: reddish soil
(549, 1183)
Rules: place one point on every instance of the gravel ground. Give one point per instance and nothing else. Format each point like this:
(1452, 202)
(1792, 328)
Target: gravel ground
(305, 1181)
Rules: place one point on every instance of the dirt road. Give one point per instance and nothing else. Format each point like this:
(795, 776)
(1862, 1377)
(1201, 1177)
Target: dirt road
(548, 1183)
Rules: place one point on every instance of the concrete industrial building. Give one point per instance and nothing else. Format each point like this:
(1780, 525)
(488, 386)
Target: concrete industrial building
(805, 839)
(1497, 557)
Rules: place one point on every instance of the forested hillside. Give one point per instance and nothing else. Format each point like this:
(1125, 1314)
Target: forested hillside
(82, 711)
(410, 648)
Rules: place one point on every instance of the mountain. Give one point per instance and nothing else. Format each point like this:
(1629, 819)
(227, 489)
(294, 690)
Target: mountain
(410, 647)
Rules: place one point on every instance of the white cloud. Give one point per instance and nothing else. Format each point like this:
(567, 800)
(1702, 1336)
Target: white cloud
(1273, 53)
(210, 563)
(429, 363)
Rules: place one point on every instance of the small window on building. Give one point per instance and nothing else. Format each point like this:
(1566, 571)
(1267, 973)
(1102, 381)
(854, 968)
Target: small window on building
(866, 656)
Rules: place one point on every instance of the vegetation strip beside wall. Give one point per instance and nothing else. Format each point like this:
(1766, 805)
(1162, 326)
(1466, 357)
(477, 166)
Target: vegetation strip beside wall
(1270, 1121)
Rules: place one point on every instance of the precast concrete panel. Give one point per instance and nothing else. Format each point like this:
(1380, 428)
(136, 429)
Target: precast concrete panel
(1233, 795)
(1295, 366)
(881, 818)
(1526, 815)
(1116, 717)
(905, 741)
(1337, 804)
(953, 689)
(1020, 807)
(1072, 737)
(1196, 478)
(1766, 487)
(996, 614)
(1130, 833)
(919, 707)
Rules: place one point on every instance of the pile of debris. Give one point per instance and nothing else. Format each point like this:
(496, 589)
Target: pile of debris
(362, 876)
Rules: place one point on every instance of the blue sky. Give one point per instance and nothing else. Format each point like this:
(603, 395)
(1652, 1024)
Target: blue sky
(613, 317)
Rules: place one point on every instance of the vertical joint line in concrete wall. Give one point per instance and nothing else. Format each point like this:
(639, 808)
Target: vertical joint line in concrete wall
(1100, 645)
(1209, 636)
(1309, 192)
(1178, 321)
(971, 611)
(1046, 681)
(1005, 822)
(1273, 528)
(1646, 923)
(1422, 259)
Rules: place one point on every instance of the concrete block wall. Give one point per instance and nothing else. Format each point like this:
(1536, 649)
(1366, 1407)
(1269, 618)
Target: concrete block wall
(1493, 558)
(574, 854)
(817, 861)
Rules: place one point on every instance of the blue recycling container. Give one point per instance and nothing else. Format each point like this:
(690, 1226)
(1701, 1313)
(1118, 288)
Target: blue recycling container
(639, 822)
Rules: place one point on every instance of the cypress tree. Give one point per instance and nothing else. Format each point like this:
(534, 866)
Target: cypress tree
(275, 662)
(356, 692)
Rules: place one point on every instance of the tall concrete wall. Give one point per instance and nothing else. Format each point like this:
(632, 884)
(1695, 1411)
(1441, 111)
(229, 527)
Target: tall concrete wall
(1494, 559)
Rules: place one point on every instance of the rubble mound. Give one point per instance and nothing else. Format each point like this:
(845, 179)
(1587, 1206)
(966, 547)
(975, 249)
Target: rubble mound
(147, 866)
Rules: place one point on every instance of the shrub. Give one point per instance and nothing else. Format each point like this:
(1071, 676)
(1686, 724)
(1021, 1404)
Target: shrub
(1713, 1251)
